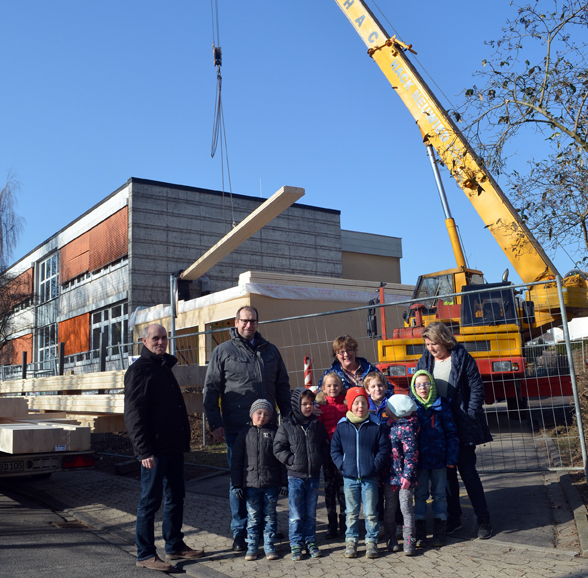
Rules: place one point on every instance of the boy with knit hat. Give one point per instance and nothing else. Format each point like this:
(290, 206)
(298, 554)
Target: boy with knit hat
(360, 449)
(439, 449)
(404, 430)
(257, 476)
(302, 445)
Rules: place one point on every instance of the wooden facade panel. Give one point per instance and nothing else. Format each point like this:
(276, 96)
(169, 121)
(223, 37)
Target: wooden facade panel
(75, 333)
(74, 258)
(11, 353)
(109, 240)
(104, 243)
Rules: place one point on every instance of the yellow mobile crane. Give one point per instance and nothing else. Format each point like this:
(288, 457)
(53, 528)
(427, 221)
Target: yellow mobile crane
(487, 319)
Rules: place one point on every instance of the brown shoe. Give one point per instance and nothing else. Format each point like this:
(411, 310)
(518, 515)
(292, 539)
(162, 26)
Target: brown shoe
(186, 553)
(155, 563)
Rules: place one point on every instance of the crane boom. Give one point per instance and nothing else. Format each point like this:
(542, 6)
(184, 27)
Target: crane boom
(519, 245)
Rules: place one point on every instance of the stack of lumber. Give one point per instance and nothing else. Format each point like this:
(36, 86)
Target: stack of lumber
(93, 400)
(23, 433)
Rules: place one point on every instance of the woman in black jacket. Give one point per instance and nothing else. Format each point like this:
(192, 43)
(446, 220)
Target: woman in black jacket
(458, 380)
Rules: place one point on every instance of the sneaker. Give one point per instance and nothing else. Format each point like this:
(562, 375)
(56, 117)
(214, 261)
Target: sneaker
(453, 526)
(296, 553)
(484, 530)
(371, 550)
(313, 550)
(350, 549)
(186, 553)
(155, 563)
(271, 554)
(239, 544)
(251, 555)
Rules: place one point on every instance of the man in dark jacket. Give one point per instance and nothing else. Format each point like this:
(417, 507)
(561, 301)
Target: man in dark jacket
(157, 422)
(240, 371)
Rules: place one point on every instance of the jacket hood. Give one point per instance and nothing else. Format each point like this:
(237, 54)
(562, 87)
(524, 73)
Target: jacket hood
(432, 397)
(296, 412)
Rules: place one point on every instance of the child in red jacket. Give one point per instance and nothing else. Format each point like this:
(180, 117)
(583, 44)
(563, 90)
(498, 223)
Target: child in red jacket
(332, 405)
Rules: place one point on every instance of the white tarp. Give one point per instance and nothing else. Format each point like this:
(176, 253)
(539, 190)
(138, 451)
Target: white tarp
(273, 291)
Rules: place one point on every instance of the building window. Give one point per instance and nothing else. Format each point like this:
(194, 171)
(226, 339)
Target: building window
(47, 340)
(49, 278)
(114, 321)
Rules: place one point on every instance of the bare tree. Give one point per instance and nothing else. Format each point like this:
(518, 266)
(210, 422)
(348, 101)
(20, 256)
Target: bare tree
(10, 222)
(537, 80)
(15, 290)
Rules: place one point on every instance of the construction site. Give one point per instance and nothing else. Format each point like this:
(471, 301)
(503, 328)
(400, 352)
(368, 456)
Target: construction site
(158, 252)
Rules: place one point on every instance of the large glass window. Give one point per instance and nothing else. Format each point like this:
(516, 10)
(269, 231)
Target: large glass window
(49, 278)
(114, 321)
(47, 341)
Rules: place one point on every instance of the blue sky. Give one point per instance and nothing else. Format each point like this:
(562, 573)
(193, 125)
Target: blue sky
(97, 92)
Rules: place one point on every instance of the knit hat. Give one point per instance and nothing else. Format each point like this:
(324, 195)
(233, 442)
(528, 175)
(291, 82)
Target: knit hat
(432, 395)
(353, 393)
(261, 404)
(401, 405)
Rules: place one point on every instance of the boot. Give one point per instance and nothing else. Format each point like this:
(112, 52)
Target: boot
(409, 542)
(392, 544)
(342, 524)
(421, 533)
(438, 533)
(332, 526)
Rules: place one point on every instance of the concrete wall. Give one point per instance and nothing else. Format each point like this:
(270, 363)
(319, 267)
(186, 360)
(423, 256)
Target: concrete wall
(172, 226)
(371, 267)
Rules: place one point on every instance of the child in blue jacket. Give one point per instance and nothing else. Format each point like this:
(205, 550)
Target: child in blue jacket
(439, 449)
(360, 449)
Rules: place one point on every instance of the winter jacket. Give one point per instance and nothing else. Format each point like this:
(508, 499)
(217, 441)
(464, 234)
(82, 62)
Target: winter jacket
(155, 412)
(239, 374)
(332, 411)
(438, 441)
(465, 393)
(404, 450)
(360, 452)
(302, 444)
(366, 367)
(253, 464)
(381, 411)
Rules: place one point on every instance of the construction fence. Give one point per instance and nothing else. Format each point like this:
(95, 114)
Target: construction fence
(535, 380)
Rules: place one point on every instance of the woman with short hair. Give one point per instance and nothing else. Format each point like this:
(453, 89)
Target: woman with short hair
(458, 380)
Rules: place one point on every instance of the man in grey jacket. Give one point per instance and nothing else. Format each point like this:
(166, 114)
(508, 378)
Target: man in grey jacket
(240, 371)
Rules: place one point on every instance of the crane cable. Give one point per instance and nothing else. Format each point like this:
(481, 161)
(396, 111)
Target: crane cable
(219, 135)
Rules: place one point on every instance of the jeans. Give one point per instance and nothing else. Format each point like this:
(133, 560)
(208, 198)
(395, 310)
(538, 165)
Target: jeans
(166, 480)
(356, 492)
(437, 479)
(466, 464)
(302, 501)
(238, 507)
(261, 516)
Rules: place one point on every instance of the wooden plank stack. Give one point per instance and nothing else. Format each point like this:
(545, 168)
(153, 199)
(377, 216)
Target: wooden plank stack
(23, 433)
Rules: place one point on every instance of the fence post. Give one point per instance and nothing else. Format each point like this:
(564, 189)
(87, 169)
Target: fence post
(102, 355)
(61, 358)
(564, 321)
(24, 365)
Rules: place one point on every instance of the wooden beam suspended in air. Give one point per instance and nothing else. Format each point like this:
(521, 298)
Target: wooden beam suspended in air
(264, 214)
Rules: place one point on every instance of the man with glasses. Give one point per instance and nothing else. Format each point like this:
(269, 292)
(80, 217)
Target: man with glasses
(242, 370)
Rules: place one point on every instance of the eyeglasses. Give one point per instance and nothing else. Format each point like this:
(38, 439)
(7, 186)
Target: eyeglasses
(345, 351)
(248, 321)
(423, 385)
